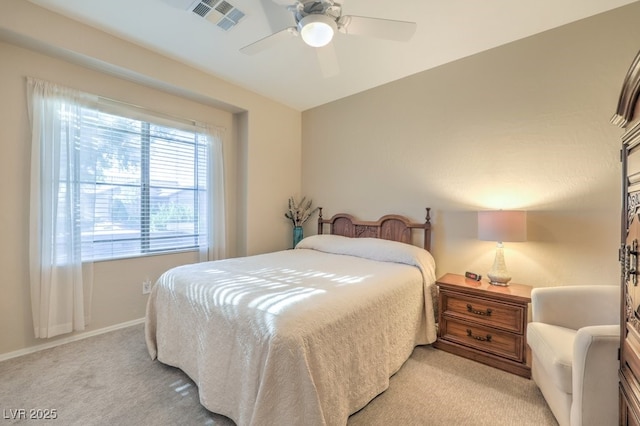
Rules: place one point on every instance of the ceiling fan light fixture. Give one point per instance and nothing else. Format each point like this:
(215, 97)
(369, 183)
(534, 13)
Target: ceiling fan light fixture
(317, 30)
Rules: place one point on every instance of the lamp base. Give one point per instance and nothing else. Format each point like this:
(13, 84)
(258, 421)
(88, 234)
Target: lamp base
(499, 274)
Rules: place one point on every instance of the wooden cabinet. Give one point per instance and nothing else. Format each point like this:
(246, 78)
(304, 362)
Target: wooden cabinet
(628, 117)
(483, 322)
(629, 404)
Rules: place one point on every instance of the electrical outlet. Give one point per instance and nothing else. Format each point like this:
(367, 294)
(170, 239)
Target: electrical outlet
(146, 286)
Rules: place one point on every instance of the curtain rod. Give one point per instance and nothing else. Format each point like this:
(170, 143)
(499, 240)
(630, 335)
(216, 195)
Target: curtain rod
(191, 121)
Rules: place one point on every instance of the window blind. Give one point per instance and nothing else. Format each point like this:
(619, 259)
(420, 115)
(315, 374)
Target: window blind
(140, 183)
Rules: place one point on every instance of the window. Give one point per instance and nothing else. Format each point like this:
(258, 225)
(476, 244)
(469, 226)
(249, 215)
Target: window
(110, 180)
(142, 186)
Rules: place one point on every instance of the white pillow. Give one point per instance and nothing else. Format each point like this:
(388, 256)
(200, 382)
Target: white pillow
(374, 249)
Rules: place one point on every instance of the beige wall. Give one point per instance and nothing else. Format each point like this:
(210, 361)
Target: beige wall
(522, 126)
(259, 178)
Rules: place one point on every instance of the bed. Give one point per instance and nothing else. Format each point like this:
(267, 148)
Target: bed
(303, 336)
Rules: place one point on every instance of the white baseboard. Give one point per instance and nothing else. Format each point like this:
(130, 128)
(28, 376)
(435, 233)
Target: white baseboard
(73, 338)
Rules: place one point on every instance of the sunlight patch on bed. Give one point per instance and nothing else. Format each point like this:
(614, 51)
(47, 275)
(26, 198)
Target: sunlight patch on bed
(229, 292)
(269, 289)
(298, 276)
(274, 304)
(347, 279)
(214, 271)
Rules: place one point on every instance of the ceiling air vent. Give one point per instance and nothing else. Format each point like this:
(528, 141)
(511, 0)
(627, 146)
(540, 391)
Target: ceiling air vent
(220, 12)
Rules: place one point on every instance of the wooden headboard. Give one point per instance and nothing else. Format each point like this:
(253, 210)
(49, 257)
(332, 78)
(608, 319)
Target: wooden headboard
(390, 227)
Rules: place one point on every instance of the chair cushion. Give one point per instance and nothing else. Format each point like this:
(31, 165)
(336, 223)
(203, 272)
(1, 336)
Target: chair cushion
(553, 347)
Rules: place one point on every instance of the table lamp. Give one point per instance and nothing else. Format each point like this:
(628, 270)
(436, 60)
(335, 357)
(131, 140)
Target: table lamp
(501, 226)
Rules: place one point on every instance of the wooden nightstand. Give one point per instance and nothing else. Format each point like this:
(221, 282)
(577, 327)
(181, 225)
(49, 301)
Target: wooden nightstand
(484, 322)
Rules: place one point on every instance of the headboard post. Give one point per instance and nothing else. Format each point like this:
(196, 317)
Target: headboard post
(320, 222)
(427, 230)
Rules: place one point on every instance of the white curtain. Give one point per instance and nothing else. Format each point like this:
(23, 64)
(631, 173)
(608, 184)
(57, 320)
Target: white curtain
(60, 288)
(216, 245)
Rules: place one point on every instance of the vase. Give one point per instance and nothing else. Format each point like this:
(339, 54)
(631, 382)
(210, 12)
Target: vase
(297, 235)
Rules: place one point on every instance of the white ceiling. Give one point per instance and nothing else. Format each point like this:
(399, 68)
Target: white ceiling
(291, 73)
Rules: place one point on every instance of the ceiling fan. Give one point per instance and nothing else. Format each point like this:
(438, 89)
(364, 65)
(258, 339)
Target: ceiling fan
(318, 20)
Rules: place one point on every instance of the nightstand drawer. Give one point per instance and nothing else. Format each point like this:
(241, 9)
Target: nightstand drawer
(491, 340)
(483, 311)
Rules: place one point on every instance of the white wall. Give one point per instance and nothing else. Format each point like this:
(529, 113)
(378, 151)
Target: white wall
(522, 126)
(259, 180)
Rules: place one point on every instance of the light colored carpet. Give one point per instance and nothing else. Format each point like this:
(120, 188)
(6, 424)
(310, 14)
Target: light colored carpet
(110, 380)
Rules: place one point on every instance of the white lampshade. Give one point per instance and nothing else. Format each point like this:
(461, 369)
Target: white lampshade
(317, 30)
(501, 226)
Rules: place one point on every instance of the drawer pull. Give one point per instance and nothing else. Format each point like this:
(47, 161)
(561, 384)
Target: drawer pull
(486, 313)
(482, 339)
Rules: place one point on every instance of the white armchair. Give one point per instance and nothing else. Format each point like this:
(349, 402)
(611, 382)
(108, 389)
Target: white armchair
(574, 338)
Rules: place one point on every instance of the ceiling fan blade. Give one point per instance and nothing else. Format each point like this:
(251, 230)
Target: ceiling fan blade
(277, 16)
(375, 27)
(292, 3)
(269, 41)
(328, 60)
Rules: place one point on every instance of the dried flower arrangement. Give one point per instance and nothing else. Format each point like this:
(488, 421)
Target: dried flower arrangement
(300, 212)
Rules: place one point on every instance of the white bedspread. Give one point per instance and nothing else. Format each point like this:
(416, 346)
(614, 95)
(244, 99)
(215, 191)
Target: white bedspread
(297, 337)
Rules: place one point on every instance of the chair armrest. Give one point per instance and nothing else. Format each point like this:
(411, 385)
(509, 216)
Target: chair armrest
(576, 306)
(595, 376)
